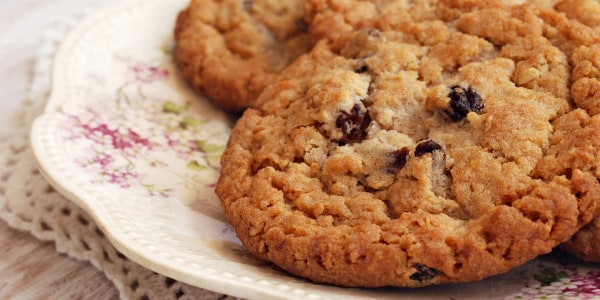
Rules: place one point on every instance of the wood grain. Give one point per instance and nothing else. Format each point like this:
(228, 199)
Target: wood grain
(30, 269)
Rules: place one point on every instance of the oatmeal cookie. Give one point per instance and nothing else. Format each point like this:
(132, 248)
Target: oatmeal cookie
(573, 26)
(392, 157)
(585, 91)
(577, 34)
(229, 50)
(585, 11)
(567, 23)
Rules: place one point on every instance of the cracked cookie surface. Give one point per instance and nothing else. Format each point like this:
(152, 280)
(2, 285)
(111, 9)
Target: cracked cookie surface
(421, 152)
(229, 50)
(572, 26)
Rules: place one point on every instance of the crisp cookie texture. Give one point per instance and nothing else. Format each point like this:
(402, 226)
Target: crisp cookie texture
(569, 26)
(586, 93)
(585, 11)
(230, 50)
(395, 157)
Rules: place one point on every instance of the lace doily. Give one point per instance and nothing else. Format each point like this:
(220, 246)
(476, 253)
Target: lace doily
(29, 203)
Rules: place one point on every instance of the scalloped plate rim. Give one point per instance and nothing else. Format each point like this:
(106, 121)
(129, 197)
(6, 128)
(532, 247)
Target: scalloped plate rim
(204, 277)
(201, 276)
(85, 200)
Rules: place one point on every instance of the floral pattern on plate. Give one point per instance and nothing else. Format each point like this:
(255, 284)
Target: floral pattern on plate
(126, 138)
(142, 134)
(560, 276)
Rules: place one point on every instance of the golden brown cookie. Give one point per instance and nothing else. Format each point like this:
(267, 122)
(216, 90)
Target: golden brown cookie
(573, 26)
(423, 152)
(230, 50)
(585, 92)
(584, 11)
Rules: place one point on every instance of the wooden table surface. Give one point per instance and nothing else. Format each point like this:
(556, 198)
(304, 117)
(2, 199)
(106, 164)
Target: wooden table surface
(30, 269)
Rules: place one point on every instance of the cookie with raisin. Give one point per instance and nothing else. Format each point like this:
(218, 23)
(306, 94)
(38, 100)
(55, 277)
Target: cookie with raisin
(570, 26)
(229, 50)
(389, 158)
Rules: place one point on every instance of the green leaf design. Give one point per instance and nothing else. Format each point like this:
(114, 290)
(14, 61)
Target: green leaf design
(175, 108)
(191, 122)
(167, 50)
(213, 159)
(150, 187)
(548, 275)
(196, 166)
(207, 147)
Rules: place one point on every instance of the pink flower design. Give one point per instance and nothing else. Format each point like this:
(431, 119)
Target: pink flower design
(183, 148)
(108, 142)
(584, 285)
(144, 73)
(102, 159)
(562, 281)
(118, 140)
(136, 131)
(121, 177)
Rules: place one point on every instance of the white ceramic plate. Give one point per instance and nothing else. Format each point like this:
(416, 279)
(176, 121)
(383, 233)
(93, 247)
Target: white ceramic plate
(126, 139)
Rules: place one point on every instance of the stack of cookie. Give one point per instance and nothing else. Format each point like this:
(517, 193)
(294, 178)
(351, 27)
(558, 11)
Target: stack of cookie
(403, 142)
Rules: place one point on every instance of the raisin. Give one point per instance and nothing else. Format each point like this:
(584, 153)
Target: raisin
(353, 124)
(426, 146)
(361, 68)
(399, 159)
(423, 273)
(463, 101)
(301, 25)
(248, 5)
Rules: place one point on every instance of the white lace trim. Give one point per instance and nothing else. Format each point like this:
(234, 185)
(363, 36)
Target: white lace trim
(29, 203)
